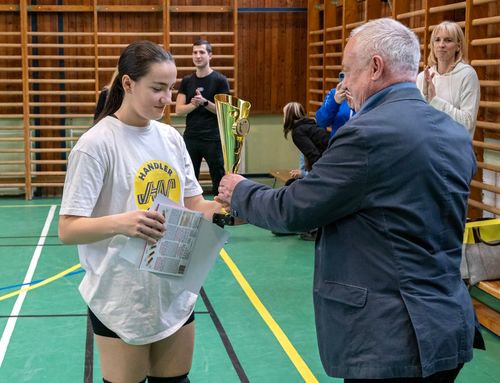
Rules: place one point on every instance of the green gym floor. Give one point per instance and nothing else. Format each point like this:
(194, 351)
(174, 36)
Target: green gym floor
(254, 318)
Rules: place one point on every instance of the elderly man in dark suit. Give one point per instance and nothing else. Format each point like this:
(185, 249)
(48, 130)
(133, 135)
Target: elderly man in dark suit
(390, 196)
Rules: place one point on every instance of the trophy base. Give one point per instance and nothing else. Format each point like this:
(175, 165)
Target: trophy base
(223, 219)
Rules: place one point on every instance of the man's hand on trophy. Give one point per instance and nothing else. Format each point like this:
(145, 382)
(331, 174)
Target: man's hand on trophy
(226, 188)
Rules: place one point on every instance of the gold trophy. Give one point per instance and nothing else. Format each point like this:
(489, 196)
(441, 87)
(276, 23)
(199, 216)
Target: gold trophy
(232, 116)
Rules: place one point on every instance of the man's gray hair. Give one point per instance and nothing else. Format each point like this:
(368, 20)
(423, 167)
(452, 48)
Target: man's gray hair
(394, 42)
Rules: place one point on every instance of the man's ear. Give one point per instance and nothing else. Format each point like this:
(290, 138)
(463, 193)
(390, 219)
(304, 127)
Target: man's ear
(377, 67)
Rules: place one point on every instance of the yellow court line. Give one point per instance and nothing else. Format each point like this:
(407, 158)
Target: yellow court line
(40, 284)
(292, 353)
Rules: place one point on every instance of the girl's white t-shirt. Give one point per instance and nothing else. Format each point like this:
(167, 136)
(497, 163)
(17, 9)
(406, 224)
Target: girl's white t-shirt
(115, 168)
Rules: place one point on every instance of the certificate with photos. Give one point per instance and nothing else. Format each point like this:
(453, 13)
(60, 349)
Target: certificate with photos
(186, 252)
(172, 253)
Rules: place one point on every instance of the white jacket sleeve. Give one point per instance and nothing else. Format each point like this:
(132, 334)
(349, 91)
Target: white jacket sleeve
(420, 83)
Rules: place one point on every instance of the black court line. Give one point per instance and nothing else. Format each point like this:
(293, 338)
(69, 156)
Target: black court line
(34, 245)
(28, 236)
(225, 339)
(88, 370)
(89, 339)
(63, 315)
(43, 315)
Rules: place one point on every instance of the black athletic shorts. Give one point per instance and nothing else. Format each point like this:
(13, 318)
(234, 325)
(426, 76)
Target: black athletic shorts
(100, 329)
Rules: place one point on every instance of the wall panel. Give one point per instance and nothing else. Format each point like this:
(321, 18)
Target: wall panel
(56, 55)
(272, 54)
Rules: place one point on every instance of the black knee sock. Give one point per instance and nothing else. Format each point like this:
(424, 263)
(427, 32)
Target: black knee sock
(173, 379)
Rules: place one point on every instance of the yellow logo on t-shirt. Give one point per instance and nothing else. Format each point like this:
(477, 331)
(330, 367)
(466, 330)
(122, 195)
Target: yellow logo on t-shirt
(152, 178)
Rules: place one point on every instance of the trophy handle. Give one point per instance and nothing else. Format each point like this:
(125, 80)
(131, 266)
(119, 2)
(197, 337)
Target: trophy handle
(241, 127)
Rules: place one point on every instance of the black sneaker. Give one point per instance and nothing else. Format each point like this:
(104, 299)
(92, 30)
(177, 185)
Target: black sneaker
(282, 234)
(308, 236)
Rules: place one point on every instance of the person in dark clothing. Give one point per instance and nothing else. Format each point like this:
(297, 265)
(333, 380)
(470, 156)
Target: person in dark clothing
(101, 101)
(196, 100)
(311, 140)
(103, 95)
(306, 135)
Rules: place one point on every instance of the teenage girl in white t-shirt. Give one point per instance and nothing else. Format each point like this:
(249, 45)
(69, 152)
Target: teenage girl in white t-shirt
(144, 325)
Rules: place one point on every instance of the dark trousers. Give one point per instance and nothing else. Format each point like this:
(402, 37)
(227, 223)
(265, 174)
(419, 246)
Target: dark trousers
(447, 376)
(211, 151)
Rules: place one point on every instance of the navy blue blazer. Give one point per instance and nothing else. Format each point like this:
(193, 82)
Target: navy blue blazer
(390, 197)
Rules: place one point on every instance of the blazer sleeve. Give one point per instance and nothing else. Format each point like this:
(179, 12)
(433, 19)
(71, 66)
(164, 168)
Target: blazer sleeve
(334, 189)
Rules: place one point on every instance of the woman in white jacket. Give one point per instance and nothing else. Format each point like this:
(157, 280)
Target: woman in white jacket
(448, 83)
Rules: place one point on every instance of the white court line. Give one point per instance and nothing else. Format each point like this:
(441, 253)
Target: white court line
(11, 323)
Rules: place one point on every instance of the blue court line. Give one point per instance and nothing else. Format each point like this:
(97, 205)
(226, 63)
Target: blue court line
(37, 281)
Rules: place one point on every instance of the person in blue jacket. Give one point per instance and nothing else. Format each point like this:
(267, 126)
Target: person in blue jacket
(335, 110)
(390, 200)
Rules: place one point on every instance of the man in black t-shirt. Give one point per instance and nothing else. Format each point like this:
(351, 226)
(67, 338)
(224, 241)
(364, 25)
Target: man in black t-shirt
(196, 100)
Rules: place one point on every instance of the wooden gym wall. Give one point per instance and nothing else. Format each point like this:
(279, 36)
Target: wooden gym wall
(55, 56)
(329, 25)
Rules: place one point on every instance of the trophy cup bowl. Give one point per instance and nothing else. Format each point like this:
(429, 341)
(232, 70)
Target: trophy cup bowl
(232, 118)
